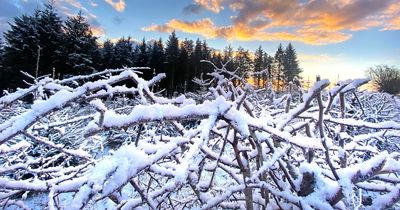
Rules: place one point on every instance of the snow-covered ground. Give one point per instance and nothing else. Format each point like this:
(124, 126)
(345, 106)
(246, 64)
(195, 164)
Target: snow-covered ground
(103, 145)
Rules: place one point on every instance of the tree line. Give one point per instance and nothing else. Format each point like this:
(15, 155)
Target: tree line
(44, 44)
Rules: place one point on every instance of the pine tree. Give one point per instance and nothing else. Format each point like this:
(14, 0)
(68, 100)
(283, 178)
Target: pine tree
(183, 66)
(187, 50)
(172, 59)
(206, 56)
(188, 45)
(278, 66)
(228, 58)
(123, 53)
(80, 46)
(243, 62)
(157, 59)
(291, 64)
(1, 55)
(142, 58)
(268, 64)
(217, 59)
(50, 34)
(20, 51)
(197, 56)
(107, 55)
(2, 71)
(157, 56)
(259, 64)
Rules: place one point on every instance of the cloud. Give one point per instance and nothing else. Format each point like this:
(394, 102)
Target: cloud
(214, 6)
(310, 21)
(118, 5)
(394, 24)
(192, 9)
(92, 3)
(98, 31)
(206, 28)
(10, 9)
(391, 17)
(117, 20)
(69, 8)
(65, 8)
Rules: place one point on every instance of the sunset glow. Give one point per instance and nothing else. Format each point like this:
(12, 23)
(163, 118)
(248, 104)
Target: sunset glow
(336, 39)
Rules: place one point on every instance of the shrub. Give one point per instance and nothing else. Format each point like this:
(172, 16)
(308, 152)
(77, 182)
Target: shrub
(386, 78)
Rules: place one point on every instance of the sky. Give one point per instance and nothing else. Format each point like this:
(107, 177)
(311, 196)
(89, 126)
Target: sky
(337, 39)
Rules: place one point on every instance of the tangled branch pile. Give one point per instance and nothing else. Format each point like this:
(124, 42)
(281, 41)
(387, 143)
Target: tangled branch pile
(102, 144)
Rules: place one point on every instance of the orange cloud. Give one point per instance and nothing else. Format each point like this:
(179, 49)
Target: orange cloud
(394, 24)
(391, 17)
(313, 22)
(205, 27)
(212, 5)
(119, 5)
(98, 31)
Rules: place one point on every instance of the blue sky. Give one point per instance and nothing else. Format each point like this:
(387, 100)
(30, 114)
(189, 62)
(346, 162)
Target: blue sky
(333, 38)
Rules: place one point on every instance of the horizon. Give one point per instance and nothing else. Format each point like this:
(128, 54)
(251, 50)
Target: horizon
(337, 40)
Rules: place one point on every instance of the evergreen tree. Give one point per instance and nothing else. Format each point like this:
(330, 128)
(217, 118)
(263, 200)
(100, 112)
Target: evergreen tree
(157, 59)
(229, 57)
(172, 59)
(243, 62)
(50, 34)
(2, 71)
(107, 55)
(1, 55)
(21, 49)
(291, 64)
(217, 59)
(278, 67)
(259, 64)
(189, 46)
(123, 53)
(187, 50)
(268, 64)
(157, 56)
(80, 45)
(183, 77)
(142, 58)
(197, 56)
(206, 56)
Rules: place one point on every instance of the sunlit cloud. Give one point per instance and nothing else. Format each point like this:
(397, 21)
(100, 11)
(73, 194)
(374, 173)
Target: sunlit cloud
(394, 24)
(391, 17)
(118, 5)
(98, 31)
(73, 3)
(311, 22)
(214, 6)
(206, 28)
(92, 3)
(70, 8)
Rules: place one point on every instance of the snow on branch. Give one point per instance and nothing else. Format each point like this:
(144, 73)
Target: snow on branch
(106, 140)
